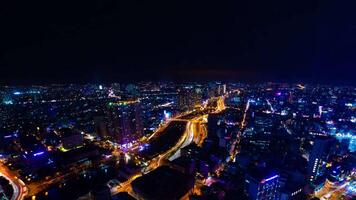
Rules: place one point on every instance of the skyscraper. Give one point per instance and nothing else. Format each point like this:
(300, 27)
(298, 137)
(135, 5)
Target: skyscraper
(318, 156)
(222, 89)
(131, 120)
(189, 97)
(262, 187)
(183, 99)
(125, 122)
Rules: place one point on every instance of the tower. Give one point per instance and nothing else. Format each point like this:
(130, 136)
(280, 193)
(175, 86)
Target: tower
(189, 97)
(319, 154)
(262, 188)
(125, 121)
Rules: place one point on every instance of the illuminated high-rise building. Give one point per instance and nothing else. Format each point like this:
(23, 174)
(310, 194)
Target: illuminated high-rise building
(318, 156)
(189, 97)
(222, 89)
(262, 188)
(131, 122)
(183, 99)
(125, 124)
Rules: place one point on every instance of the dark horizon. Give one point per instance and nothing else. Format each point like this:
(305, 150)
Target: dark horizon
(128, 41)
(177, 75)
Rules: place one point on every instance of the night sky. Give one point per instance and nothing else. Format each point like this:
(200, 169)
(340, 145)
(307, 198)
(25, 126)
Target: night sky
(98, 41)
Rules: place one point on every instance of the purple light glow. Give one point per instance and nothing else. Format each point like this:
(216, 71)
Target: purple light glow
(268, 179)
(38, 154)
(141, 148)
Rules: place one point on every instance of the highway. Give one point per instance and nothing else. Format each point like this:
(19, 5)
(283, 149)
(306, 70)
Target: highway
(39, 186)
(192, 133)
(20, 190)
(234, 147)
(334, 193)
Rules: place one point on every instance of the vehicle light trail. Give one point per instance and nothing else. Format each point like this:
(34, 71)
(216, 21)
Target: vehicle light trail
(270, 105)
(190, 135)
(20, 190)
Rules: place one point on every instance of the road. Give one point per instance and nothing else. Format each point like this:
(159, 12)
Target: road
(20, 190)
(187, 138)
(335, 193)
(234, 147)
(193, 133)
(39, 186)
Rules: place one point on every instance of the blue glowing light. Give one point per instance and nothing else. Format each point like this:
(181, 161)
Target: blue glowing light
(38, 154)
(349, 104)
(17, 93)
(351, 188)
(167, 115)
(141, 148)
(49, 161)
(34, 92)
(270, 178)
(8, 102)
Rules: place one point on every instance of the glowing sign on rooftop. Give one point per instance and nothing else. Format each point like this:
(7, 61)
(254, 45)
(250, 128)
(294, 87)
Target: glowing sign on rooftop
(270, 178)
(38, 154)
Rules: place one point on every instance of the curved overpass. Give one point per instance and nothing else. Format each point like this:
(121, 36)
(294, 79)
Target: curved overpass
(17, 184)
(191, 134)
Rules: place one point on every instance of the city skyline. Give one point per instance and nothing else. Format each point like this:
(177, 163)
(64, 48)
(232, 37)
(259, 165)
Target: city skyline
(166, 140)
(186, 100)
